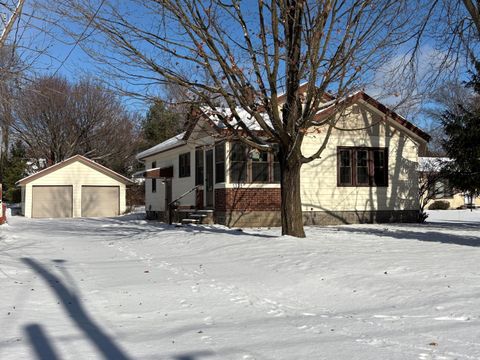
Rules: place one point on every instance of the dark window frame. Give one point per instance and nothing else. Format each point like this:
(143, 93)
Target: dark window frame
(199, 166)
(219, 166)
(154, 181)
(374, 180)
(184, 165)
(271, 163)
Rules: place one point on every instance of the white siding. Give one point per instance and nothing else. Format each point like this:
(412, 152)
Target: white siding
(23, 200)
(319, 177)
(156, 201)
(76, 174)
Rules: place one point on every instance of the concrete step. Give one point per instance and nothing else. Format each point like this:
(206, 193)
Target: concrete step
(205, 211)
(190, 221)
(197, 216)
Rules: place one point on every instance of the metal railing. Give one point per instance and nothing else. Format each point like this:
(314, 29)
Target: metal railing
(171, 206)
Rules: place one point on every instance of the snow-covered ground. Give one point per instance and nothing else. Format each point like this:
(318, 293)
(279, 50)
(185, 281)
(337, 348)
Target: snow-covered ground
(125, 288)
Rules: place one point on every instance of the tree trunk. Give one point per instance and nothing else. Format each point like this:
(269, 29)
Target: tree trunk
(291, 206)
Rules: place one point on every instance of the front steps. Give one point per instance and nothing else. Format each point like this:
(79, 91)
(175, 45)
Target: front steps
(199, 217)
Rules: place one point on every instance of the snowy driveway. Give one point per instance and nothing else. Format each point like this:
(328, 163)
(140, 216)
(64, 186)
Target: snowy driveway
(128, 289)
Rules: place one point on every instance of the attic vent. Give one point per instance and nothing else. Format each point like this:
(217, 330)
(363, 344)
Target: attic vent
(355, 109)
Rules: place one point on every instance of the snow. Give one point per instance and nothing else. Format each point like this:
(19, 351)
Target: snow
(163, 146)
(432, 163)
(250, 122)
(127, 288)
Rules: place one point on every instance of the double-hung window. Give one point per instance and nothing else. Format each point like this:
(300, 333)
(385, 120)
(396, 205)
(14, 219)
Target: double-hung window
(238, 162)
(220, 163)
(248, 165)
(184, 165)
(199, 166)
(362, 166)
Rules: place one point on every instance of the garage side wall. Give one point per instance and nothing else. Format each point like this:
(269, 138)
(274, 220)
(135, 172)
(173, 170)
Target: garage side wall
(76, 174)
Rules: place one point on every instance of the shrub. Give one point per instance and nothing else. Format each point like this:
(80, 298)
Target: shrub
(439, 205)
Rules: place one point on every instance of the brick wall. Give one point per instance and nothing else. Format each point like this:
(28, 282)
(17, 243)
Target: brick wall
(247, 199)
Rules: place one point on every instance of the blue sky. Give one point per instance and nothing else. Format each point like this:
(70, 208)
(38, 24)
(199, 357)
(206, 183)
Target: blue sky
(77, 64)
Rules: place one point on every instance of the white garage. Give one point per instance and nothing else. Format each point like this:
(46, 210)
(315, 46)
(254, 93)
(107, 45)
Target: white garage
(76, 187)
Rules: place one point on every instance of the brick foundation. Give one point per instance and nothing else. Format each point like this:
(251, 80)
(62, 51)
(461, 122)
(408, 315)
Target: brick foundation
(238, 218)
(238, 199)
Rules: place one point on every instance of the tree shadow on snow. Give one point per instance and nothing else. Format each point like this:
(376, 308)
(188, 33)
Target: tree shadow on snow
(73, 306)
(40, 343)
(152, 226)
(432, 235)
(69, 299)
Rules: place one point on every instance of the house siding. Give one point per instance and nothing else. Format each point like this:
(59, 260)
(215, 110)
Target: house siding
(323, 201)
(319, 178)
(76, 174)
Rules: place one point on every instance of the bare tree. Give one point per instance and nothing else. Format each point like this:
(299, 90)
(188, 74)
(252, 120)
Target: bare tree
(430, 174)
(8, 25)
(255, 57)
(56, 120)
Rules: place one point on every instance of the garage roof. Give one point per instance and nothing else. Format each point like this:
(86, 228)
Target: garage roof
(71, 160)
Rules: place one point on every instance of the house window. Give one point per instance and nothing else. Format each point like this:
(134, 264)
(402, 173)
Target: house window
(260, 166)
(220, 163)
(442, 189)
(184, 165)
(252, 165)
(238, 162)
(362, 166)
(199, 167)
(154, 181)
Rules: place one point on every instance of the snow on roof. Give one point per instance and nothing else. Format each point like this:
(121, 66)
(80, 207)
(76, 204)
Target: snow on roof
(175, 141)
(217, 117)
(432, 163)
(245, 117)
(93, 164)
(250, 121)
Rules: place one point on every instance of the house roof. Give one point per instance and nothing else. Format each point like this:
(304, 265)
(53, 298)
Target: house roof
(361, 95)
(94, 165)
(329, 108)
(176, 141)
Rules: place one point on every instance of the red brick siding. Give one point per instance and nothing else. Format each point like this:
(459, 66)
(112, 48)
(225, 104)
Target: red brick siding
(247, 199)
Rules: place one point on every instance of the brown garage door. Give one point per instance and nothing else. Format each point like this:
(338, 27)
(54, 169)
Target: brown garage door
(98, 201)
(52, 201)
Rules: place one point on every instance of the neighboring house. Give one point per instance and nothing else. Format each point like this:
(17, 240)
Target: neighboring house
(429, 169)
(76, 187)
(367, 173)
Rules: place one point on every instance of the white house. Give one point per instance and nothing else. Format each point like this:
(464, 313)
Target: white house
(367, 172)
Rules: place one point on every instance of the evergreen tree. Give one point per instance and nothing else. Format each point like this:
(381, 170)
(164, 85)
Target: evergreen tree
(160, 124)
(14, 170)
(462, 144)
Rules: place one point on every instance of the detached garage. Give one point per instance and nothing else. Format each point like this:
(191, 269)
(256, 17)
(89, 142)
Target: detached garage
(76, 187)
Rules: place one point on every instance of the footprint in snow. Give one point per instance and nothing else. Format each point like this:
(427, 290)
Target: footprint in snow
(207, 340)
(184, 303)
(208, 320)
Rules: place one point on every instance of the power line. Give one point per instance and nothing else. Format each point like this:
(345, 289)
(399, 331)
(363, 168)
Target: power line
(80, 37)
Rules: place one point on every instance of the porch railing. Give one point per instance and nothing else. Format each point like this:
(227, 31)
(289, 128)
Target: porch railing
(171, 204)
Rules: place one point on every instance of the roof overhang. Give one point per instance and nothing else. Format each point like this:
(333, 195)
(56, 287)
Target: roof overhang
(156, 173)
(82, 159)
